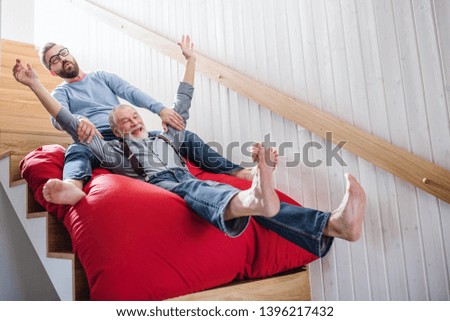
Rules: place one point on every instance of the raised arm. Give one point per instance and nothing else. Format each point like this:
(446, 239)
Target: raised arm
(187, 48)
(185, 90)
(28, 77)
(137, 97)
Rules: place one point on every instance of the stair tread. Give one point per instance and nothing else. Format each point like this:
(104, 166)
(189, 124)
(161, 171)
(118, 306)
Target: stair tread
(37, 215)
(16, 122)
(11, 46)
(61, 255)
(5, 153)
(18, 182)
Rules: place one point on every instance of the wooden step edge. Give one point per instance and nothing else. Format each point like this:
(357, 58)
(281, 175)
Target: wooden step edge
(59, 246)
(295, 287)
(61, 255)
(54, 132)
(5, 154)
(80, 285)
(36, 215)
(17, 182)
(7, 43)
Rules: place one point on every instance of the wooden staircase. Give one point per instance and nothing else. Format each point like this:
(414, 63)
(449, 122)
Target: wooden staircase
(25, 126)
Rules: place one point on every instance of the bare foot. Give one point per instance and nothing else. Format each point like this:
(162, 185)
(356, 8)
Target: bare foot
(57, 191)
(244, 173)
(264, 192)
(260, 199)
(249, 173)
(346, 221)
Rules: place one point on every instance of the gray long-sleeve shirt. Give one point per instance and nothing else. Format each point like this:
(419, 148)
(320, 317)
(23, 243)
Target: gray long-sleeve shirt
(154, 154)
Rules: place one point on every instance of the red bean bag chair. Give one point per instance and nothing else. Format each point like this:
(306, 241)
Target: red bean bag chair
(137, 241)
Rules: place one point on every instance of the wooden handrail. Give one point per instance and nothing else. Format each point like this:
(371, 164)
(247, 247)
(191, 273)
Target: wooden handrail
(428, 176)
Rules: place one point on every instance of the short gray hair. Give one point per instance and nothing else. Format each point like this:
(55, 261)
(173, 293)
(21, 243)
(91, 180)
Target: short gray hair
(43, 51)
(112, 115)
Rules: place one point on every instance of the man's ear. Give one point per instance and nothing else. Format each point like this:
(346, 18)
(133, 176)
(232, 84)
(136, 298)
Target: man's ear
(116, 132)
(53, 73)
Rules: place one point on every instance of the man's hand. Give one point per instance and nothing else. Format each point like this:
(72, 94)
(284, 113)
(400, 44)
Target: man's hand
(87, 130)
(172, 118)
(187, 48)
(26, 76)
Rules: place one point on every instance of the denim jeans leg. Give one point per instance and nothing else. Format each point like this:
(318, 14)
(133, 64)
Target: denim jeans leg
(78, 163)
(203, 156)
(302, 226)
(207, 198)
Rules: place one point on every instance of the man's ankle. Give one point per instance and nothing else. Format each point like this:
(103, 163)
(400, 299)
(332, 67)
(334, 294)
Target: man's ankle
(76, 182)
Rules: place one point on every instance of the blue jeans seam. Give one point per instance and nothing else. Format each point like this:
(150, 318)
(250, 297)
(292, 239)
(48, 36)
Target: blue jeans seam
(290, 228)
(326, 241)
(204, 202)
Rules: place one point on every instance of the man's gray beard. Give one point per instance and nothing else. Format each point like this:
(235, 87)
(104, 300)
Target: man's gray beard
(131, 137)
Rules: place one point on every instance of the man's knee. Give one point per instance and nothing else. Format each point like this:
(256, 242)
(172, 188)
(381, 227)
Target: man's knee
(193, 138)
(78, 148)
(79, 151)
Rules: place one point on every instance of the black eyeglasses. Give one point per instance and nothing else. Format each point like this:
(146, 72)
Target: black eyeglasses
(57, 58)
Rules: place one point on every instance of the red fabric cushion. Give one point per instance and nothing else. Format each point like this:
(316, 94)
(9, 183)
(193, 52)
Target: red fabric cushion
(137, 241)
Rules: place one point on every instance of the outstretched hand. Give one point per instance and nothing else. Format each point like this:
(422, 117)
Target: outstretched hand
(26, 76)
(187, 47)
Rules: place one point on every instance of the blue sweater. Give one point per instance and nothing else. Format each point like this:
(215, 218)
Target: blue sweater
(96, 94)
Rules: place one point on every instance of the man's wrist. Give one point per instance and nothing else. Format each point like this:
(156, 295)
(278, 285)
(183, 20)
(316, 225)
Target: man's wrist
(163, 108)
(35, 85)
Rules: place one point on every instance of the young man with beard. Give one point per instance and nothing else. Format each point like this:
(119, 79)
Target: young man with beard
(91, 96)
(224, 206)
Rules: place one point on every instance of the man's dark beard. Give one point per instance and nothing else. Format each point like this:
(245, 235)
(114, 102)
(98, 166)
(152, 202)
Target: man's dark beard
(69, 74)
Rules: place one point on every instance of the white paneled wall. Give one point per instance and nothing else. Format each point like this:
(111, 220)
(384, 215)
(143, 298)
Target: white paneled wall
(382, 65)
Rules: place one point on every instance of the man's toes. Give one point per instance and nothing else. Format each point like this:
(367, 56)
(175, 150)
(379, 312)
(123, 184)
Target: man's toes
(51, 183)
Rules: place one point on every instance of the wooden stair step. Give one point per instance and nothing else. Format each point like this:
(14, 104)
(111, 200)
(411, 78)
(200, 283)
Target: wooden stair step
(18, 144)
(8, 82)
(18, 94)
(9, 60)
(25, 57)
(59, 245)
(49, 81)
(8, 122)
(33, 104)
(22, 110)
(10, 46)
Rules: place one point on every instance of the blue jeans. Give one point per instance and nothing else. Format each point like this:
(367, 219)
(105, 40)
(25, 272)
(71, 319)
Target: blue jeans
(201, 155)
(302, 226)
(79, 160)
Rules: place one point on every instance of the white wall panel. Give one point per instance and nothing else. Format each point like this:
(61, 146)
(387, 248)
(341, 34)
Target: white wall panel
(382, 65)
